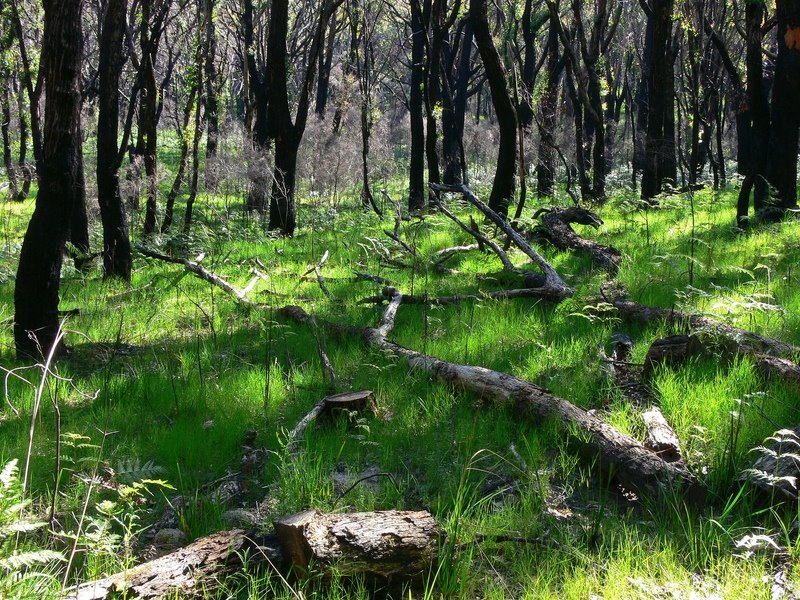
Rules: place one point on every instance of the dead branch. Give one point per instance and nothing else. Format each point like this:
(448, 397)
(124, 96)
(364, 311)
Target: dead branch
(553, 286)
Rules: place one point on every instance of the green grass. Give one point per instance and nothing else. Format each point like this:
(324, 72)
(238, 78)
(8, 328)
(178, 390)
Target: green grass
(195, 372)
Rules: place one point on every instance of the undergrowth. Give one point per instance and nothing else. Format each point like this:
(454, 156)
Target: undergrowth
(169, 380)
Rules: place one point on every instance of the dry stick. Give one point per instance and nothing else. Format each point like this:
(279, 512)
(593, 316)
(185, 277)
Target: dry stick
(634, 464)
(194, 267)
(317, 269)
(553, 282)
(507, 264)
(445, 254)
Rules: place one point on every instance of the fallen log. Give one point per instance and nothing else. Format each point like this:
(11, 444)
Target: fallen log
(556, 227)
(661, 437)
(385, 546)
(746, 340)
(677, 349)
(634, 465)
(387, 293)
(189, 571)
(355, 401)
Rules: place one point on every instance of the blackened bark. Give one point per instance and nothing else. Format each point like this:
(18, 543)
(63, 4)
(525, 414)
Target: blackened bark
(79, 220)
(177, 183)
(117, 260)
(416, 178)
(433, 95)
(258, 86)
(148, 117)
(286, 133)
(781, 170)
(503, 184)
(38, 275)
(660, 78)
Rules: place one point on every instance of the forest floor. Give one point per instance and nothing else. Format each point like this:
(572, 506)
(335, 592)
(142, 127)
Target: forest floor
(170, 380)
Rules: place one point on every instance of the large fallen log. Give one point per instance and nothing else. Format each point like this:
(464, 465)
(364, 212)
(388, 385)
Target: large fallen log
(556, 227)
(633, 464)
(678, 349)
(384, 546)
(745, 340)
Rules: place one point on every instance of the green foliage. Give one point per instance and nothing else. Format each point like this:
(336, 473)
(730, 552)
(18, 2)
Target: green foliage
(24, 564)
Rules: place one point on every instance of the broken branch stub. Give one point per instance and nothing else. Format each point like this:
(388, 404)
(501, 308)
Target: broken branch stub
(353, 401)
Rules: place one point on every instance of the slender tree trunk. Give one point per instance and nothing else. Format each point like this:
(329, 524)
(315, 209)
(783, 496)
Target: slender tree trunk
(38, 275)
(416, 181)
(148, 119)
(325, 63)
(433, 96)
(5, 128)
(117, 260)
(79, 220)
(180, 176)
(460, 93)
(25, 168)
(258, 87)
(548, 117)
(503, 184)
(210, 101)
(194, 181)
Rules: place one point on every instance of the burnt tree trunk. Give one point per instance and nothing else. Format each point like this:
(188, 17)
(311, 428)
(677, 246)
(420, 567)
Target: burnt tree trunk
(5, 125)
(416, 174)
(258, 86)
(210, 99)
(117, 260)
(781, 168)
(503, 184)
(325, 63)
(38, 275)
(287, 133)
(657, 144)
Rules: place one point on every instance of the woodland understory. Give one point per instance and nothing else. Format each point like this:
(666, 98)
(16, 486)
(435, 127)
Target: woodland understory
(352, 299)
